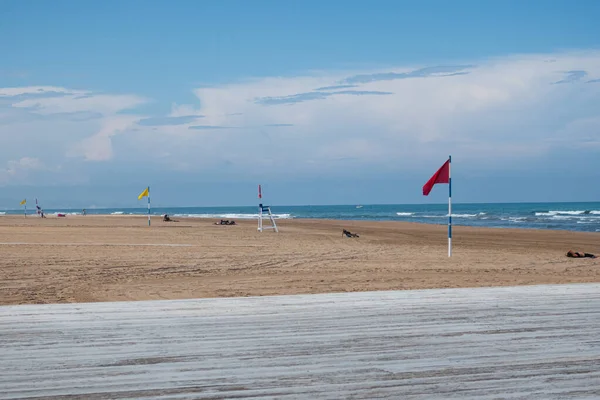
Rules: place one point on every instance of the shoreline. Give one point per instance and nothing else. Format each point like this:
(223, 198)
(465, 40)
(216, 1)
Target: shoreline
(573, 216)
(158, 218)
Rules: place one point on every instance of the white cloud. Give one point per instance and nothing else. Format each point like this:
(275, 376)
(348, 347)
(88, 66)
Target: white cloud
(36, 90)
(99, 146)
(495, 114)
(19, 170)
(497, 110)
(56, 122)
(104, 104)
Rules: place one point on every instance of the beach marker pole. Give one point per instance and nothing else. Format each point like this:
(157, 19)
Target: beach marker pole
(148, 205)
(449, 206)
(25, 210)
(442, 175)
(259, 209)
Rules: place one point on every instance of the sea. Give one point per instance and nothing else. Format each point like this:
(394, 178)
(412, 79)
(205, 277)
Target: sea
(583, 217)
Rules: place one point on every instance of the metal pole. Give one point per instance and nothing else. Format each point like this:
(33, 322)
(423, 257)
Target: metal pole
(148, 205)
(449, 206)
(260, 206)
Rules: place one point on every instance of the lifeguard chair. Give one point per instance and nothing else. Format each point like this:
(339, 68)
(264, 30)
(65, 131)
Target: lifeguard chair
(263, 213)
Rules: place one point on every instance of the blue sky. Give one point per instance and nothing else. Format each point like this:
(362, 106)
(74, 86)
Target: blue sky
(322, 102)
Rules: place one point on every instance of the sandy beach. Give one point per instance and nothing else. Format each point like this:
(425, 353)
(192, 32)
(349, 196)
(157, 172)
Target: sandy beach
(112, 258)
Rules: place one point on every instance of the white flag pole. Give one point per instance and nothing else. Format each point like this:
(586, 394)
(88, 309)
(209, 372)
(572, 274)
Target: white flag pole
(148, 205)
(449, 206)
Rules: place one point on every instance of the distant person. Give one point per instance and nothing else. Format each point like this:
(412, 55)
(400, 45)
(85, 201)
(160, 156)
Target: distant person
(84, 212)
(579, 254)
(349, 234)
(225, 222)
(166, 218)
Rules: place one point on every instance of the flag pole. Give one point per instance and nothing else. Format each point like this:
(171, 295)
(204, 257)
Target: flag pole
(25, 209)
(259, 208)
(148, 205)
(449, 206)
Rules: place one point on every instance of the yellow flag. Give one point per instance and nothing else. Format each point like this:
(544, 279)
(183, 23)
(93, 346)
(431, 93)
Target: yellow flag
(24, 202)
(145, 193)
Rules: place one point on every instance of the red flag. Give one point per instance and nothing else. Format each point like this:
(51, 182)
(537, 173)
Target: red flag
(441, 176)
(259, 192)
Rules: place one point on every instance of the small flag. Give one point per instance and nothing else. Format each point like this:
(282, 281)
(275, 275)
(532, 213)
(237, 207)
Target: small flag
(441, 176)
(259, 192)
(23, 202)
(145, 193)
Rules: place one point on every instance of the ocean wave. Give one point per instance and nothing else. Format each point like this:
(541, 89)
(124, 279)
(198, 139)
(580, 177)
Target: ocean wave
(517, 219)
(573, 217)
(563, 217)
(2, 213)
(404, 214)
(566, 212)
(118, 213)
(467, 215)
(446, 216)
(232, 216)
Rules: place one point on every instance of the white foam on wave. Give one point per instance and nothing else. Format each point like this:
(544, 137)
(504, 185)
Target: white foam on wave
(517, 219)
(572, 212)
(117, 213)
(232, 216)
(2, 213)
(404, 214)
(563, 217)
(453, 216)
(578, 217)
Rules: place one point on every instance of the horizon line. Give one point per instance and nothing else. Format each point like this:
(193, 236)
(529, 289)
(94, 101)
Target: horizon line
(311, 205)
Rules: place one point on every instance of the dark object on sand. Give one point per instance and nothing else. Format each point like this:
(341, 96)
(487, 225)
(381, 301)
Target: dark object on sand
(166, 218)
(349, 234)
(579, 254)
(225, 222)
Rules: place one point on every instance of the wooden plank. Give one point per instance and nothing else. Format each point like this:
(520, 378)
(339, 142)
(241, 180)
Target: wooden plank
(487, 343)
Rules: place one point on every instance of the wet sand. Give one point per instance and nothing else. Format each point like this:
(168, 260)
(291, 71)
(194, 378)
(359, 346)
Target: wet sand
(112, 258)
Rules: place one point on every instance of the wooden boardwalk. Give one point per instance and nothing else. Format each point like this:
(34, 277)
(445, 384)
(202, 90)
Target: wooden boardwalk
(534, 342)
